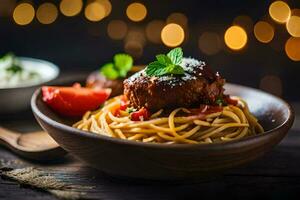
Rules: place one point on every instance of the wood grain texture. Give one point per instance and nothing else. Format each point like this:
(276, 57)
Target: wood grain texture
(274, 176)
(37, 145)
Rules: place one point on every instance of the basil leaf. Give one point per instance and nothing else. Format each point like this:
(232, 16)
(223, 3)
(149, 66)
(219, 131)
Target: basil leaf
(176, 56)
(109, 71)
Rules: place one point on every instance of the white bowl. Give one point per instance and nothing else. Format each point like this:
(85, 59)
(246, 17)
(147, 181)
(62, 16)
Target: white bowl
(17, 98)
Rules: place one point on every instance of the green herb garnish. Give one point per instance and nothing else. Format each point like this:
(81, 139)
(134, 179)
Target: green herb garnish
(14, 69)
(13, 64)
(121, 65)
(130, 109)
(220, 101)
(166, 64)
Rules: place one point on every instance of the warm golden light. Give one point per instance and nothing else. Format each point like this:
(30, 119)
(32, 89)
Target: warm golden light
(117, 29)
(70, 7)
(244, 21)
(134, 48)
(107, 6)
(136, 12)
(292, 48)
(209, 43)
(271, 84)
(235, 37)
(296, 12)
(94, 11)
(7, 7)
(172, 35)
(293, 26)
(23, 14)
(137, 35)
(280, 11)
(153, 30)
(263, 32)
(178, 18)
(46, 13)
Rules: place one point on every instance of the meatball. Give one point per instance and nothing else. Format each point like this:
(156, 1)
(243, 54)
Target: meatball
(199, 84)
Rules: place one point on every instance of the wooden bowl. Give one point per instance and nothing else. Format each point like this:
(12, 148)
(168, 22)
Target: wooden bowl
(181, 162)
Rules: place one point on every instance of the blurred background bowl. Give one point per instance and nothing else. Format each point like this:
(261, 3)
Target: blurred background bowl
(16, 99)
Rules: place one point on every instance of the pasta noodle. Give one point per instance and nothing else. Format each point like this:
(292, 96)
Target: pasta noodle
(231, 123)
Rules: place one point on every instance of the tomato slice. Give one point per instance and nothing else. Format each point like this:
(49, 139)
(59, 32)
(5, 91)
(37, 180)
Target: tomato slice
(140, 115)
(123, 105)
(74, 101)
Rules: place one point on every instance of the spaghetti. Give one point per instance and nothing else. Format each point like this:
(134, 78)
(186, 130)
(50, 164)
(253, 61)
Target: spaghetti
(181, 125)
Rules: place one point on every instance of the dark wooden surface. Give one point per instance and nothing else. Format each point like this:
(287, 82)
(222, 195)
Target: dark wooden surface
(275, 176)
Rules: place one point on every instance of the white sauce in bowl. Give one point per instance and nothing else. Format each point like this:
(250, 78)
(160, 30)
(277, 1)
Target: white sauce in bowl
(45, 71)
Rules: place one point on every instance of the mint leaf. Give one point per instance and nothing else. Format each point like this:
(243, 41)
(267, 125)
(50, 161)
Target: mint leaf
(176, 55)
(123, 62)
(166, 64)
(163, 59)
(123, 73)
(155, 69)
(174, 69)
(109, 71)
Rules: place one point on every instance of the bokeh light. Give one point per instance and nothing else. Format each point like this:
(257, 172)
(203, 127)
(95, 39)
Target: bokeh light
(296, 12)
(136, 12)
(134, 42)
(7, 7)
(292, 48)
(293, 26)
(235, 37)
(23, 14)
(107, 6)
(46, 13)
(94, 11)
(70, 7)
(280, 11)
(271, 84)
(134, 48)
(172, 35)
(210, 43)
(245, 22)
(153, 30)
(178, 18)
(136, 34)
(263, 31)
(117, 29)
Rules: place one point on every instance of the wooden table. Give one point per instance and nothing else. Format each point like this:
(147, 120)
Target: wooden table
(276, 175)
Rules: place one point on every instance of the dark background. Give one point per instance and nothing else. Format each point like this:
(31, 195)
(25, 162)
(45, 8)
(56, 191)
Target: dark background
(74, 43)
